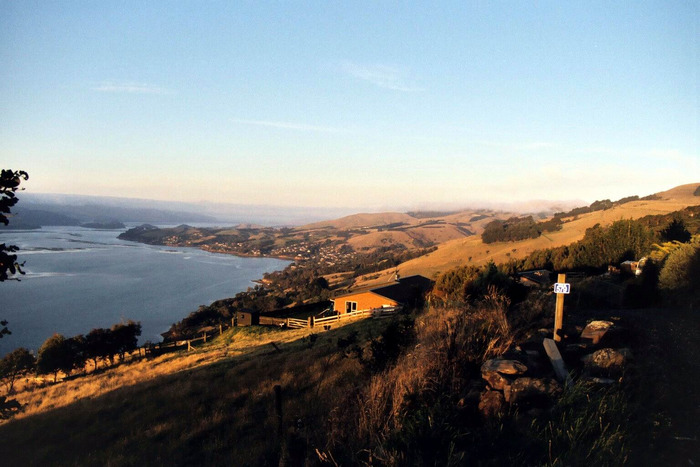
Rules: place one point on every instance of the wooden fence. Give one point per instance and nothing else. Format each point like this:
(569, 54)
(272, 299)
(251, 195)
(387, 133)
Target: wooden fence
(292, 323)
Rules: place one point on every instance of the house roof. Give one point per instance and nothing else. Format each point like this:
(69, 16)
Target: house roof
(405, 290)
(537, 276)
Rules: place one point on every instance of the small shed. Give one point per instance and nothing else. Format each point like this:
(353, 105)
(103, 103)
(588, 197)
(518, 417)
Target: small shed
(246, 318)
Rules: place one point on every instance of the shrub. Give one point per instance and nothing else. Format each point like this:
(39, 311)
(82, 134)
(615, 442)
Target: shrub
(680, 273)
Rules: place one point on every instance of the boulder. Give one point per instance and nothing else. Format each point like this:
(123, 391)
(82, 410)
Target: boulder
(506, 367)
(496, 380)
(594, 331)
(532, 390)
(607, 361)
(491, 404)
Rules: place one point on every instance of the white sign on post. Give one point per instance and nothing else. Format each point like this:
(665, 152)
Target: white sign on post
(562, 288)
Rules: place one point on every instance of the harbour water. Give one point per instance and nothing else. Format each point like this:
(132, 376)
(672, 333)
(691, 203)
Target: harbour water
(78, 279)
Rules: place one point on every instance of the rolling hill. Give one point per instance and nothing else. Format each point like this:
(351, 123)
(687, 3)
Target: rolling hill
(471, 250)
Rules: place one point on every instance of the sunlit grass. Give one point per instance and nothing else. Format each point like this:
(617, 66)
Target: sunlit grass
(213, 405)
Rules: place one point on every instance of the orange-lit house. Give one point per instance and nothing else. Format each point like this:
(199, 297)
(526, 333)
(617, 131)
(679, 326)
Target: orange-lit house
(403, 292)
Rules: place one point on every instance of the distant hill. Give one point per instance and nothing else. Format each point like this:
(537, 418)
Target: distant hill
(363, 220)
(471, 250)
(24, 219)
(74, 210)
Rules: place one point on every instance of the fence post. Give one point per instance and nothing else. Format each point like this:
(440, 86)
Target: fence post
(221, 329)
(189, 346)
(559, 312)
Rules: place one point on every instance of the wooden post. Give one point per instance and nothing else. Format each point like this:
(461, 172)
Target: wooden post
(204, 335)
(559, 312)
(232, 322)
(221, 329)
(189, 346)
(311, 321)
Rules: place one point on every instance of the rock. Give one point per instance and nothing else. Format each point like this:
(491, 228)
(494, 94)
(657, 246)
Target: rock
(496, 380)
(506, 367)
(595, 331)
(532, 390)
(607, 361)
(602, 381)
(491, 404)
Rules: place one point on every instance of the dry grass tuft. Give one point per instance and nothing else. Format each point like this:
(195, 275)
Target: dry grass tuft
(451, 344)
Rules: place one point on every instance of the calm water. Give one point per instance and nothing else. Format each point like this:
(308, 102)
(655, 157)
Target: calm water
(79, 279)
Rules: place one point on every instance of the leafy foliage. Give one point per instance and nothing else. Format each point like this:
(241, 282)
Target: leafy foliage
(676, 231)
(472, 283)
(517, 228)
(55, 354)
(680, 273)
(9, 184)
(600, 247)
(14, 364)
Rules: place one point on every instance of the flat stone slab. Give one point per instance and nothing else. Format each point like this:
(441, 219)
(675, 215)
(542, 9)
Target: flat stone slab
(595, 331)
(506, 367)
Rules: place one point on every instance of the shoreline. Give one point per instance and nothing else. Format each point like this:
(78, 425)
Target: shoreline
(242, 255)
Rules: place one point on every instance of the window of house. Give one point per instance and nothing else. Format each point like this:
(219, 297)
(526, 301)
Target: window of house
(350, 307)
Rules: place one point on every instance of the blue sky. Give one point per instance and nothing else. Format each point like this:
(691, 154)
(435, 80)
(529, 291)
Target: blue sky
(367, 105)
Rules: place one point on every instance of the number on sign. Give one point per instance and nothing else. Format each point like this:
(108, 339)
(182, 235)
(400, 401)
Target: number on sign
(562, 288)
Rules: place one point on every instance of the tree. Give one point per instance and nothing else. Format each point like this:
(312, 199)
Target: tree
(125, 337)
(9, 184)
(55, 355)
(14, 364)
(676, 231)
(97, 345)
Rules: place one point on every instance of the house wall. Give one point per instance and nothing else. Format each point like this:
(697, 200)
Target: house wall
(246, 319)
(365, 301)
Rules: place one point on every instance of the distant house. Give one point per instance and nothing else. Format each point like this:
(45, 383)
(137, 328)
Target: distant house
(536, 278)
(633, 267)
(403, 292)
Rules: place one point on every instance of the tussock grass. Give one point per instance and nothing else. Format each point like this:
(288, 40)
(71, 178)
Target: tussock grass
(398, 418)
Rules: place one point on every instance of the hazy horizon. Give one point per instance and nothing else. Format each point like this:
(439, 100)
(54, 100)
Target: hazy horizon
(359, 107)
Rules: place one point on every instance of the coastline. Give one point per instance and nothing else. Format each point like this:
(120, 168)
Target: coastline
(99, 282)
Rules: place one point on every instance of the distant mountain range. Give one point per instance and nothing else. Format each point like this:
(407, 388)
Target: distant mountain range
(35, 210)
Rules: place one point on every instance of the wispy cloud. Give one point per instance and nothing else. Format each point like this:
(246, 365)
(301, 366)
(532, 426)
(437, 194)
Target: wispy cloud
(520, 146)
(287, 125)
(129, 88)
(384, 76)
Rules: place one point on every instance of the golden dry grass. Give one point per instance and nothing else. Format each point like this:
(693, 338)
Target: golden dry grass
(40, 397)
(362, 220)
(472, 250)
(213, 406)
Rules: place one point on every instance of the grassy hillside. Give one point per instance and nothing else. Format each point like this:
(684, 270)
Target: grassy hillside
(213, 406)
(472, 250)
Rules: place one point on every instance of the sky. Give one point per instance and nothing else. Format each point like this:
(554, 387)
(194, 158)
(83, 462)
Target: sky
(365, 105)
